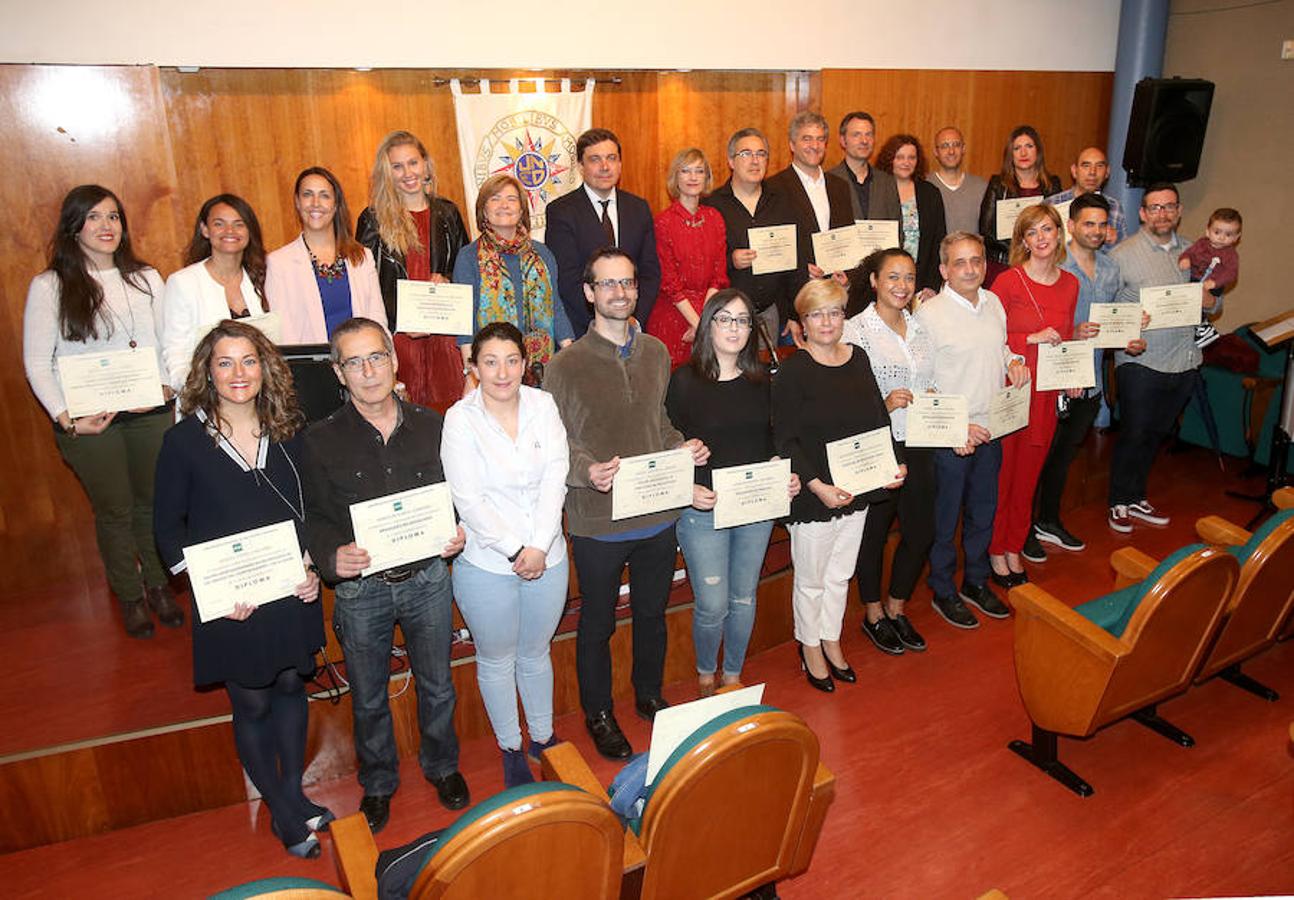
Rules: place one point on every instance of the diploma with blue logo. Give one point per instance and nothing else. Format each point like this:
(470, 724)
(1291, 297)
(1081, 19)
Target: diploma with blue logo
(876, 234)
(1069, 364)
(428, 307)
(1120, 323)
(775, 249)
(1173, 305)
(110, 382)
(938, 420)
(837, 250)
(863, 462)
(254, 566)
(1007, 212)
(404, 527)
(753, 493)
(1008, 411)
(651, 483)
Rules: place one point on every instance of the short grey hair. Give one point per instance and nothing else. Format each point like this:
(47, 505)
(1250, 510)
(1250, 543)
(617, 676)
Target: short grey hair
(804, 120)
(956, 238)
(742, 134)
(354, 325)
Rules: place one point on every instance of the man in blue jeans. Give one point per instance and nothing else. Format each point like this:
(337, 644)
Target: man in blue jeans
(373, 446)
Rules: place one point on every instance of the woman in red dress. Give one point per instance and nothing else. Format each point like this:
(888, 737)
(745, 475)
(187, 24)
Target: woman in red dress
(1039, 299)
(691, 242)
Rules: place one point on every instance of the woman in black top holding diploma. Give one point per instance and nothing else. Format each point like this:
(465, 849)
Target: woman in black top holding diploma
(824, 392)
(722, 397)
(228, 467)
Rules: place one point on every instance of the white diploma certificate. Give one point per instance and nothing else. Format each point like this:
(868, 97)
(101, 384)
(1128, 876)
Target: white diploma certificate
(673, 726)
(1008, 211)
(1069, 364)
(254, 566)
(110, 382)
(269, 324)
(876, 234)
(1063, 209)
(425, 307)
(775, 249)
(753, 493)
(1173, 305)
(938, 420)
(1120, 323)
(863, 462)
(1009, 410)
(404, 527)
(651, 483)
(837, 250)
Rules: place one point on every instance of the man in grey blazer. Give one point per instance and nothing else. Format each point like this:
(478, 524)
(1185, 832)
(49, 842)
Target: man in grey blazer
(875, 194)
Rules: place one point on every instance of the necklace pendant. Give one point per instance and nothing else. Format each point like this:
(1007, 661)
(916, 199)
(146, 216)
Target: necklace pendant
(133, 344)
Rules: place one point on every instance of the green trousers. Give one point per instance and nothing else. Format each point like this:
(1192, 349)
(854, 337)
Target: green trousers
(116, 469)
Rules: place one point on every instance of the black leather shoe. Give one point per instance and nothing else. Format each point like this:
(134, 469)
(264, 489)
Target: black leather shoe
(909, 636)
(162, 602)
(882, 634)
(1009, 580)
(826, 685)
(954, 611)
(1033, 550)
(982, 598)
(376, 809)
(609, 740)
(452, 790)
(648, 708)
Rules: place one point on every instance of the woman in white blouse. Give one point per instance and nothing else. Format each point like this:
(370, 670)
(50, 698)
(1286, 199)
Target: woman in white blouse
(223, 278)
(98, 297)
(505, 455)
(902, 358)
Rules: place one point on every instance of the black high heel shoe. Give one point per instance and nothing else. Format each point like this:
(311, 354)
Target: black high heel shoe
(846, 674)
(825, 685)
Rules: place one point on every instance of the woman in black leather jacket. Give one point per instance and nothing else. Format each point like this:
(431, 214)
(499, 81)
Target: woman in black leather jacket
(1024, 174)
(414, 234)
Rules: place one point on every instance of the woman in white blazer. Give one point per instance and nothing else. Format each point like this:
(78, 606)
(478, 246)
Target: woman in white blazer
(223, 278)
(324, 276)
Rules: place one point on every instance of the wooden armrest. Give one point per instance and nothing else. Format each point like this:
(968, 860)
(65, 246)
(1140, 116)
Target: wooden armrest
(1031, 600)
(1284, 498)
(994, 894)
(355, 854)
(1131, 566)
(565, 763)
(1216, 530)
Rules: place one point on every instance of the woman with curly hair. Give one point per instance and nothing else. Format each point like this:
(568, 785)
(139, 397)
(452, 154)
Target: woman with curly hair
(223, 278)
(230, 466)
(922, 224)
(414, 234)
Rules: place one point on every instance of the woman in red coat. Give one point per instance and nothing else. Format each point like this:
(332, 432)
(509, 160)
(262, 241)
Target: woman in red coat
(691, 242)
(1039, 300)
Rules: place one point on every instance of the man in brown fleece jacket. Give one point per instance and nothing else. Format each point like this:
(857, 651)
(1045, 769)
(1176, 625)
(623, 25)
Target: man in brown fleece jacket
(610, 389)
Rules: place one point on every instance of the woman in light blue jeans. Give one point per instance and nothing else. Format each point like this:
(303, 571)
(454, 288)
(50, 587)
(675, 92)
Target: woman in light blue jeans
(506, 458)
(722, 397)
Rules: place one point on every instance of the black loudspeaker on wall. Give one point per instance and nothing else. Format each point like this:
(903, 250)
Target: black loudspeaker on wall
(1166, 129)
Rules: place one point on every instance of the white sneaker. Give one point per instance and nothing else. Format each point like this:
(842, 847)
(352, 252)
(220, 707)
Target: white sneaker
(1145, 512)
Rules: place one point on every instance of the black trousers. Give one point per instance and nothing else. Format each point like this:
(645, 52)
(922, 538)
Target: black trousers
(1149, 404)
(1070, 434)
(914, 504)
(651, 572)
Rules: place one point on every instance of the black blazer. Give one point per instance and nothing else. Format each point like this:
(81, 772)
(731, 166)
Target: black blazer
(933, 226)
(574, 233)
(841, 212)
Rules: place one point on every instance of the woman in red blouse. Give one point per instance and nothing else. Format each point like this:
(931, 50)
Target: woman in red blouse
(692, 245)
(1039, 300)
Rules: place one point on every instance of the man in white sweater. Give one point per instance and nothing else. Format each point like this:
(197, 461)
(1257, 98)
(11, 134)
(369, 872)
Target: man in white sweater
(968, 326)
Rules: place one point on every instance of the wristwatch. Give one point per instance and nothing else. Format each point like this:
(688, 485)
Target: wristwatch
(513, 557)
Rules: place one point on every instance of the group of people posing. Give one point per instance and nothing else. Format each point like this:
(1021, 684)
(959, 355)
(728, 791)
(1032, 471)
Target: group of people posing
(616, 337)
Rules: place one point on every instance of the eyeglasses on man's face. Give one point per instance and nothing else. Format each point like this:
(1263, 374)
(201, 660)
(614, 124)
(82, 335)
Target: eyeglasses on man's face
(1156, 209)
(375, 360)
(751, 154)
(609, 284)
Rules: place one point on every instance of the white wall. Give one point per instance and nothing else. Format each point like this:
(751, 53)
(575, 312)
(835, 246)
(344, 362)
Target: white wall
(1064, 35)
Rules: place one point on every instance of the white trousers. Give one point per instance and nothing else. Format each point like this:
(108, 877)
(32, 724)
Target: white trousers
(823, 555)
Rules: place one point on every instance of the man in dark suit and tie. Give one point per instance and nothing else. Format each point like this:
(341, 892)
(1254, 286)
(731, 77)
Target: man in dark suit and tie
(819, 201)
(598, 215)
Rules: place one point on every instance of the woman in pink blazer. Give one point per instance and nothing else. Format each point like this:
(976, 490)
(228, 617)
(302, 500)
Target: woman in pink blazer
(323, 277)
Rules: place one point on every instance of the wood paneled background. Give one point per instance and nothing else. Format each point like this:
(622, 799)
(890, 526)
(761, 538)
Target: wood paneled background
(166, 140)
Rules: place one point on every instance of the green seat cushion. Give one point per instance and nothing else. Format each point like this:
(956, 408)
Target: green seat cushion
(1245, 550)
(508, 797)
(263, 886)
(1114, 610)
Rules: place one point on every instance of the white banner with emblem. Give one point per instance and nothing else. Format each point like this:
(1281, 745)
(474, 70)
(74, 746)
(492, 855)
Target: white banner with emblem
(530, 136)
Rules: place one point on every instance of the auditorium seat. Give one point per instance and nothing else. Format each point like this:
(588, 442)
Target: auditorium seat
(1263, 598)
(738, 806)
(282, 889)
(546, 839)
(1118, 655)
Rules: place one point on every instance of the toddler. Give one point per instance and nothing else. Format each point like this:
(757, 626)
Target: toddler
(1213, 259)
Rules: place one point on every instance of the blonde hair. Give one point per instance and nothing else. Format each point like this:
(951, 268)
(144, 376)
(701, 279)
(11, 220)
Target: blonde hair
(395, 225)
(681, 159)
(817, 293)
(1030, 217)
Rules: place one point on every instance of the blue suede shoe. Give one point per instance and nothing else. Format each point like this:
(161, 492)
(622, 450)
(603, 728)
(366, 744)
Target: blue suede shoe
(537, 748)
(516, 771)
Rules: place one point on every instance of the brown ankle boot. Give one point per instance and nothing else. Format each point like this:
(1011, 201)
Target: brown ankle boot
(137, 621)
(163, 605)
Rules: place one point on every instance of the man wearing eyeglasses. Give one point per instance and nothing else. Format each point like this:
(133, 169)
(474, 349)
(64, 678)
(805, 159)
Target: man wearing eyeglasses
(609, 387)
(747, 201)
(1090, 172)
(962, 191)
(1155, 385)
(374, 445)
